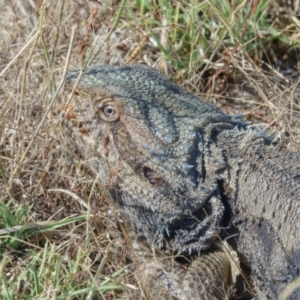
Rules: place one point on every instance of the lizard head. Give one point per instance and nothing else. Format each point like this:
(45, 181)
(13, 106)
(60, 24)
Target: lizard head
(143, 136)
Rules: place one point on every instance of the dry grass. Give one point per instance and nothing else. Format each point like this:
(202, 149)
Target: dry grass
(59, 229)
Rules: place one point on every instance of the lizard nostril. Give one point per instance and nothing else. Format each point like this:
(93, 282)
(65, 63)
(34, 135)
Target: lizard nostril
(152, 177)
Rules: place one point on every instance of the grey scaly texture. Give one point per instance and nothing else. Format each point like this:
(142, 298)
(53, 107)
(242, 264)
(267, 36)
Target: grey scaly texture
(179, 169)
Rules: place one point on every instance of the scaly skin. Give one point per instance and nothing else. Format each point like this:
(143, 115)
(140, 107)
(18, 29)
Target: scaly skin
(265, 189)
(179, 169)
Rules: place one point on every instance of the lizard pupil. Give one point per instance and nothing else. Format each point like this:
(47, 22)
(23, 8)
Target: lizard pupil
(110, 111)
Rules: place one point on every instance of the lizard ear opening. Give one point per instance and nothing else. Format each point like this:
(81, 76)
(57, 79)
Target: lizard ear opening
(152, 177)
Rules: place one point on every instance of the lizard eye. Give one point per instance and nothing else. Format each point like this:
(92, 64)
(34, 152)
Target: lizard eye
(108, 110)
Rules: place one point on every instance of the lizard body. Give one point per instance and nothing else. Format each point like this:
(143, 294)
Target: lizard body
(179, 169)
